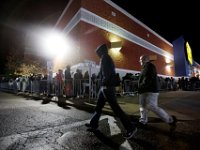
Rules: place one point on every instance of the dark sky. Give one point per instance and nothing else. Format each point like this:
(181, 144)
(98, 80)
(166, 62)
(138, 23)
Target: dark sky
(18, 17)
(169, 18)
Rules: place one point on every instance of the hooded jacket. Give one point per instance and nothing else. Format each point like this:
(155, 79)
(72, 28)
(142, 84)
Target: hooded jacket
(107, 67)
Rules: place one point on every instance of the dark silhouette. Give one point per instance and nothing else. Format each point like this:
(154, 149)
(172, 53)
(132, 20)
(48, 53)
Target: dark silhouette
(107, 93)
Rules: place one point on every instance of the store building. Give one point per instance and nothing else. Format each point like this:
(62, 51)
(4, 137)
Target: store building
(89, 23)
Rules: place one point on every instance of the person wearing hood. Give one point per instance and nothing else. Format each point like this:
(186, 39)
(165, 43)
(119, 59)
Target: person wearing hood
(107, 94)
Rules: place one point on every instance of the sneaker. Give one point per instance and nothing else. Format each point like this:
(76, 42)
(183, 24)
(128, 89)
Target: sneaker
(173, 124)
(130, 134)
(91, 127)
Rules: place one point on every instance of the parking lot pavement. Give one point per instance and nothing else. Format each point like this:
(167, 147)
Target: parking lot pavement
(184, 104)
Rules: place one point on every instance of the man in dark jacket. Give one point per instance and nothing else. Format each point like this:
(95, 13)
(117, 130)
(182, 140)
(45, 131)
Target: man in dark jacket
(148, 89)
(107, 93)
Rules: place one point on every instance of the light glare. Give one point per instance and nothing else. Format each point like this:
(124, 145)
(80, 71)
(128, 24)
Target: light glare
(55, 44)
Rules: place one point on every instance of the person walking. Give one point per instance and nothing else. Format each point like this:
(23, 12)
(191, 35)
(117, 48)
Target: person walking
(148, 89)
(107, 93)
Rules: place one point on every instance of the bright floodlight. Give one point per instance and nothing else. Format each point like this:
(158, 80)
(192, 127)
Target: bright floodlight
(54, 44)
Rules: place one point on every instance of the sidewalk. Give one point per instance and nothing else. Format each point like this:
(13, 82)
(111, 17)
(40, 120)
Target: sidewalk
(130, 103)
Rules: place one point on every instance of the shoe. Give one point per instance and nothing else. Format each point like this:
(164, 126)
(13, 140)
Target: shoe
(91, 127)
(141, 125)
(143, 121)
(173, 124)
(130, 134)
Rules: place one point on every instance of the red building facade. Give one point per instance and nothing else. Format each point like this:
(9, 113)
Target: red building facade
(90, 23)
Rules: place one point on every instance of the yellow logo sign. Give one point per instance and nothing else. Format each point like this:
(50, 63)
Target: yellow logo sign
(189, 53)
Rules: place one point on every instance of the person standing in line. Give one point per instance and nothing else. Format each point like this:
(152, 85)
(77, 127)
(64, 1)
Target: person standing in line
(107, 93)
(49, 82)
(68, 82)
(78, 77)
(148, 89)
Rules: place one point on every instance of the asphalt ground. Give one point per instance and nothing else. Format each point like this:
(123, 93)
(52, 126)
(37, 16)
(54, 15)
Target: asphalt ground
(185, 105)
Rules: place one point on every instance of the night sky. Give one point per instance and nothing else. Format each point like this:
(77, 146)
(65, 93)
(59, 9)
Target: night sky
(170, 19)
(19, 17)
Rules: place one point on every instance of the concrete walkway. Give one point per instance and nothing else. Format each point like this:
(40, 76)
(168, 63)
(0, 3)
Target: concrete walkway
(183, 104)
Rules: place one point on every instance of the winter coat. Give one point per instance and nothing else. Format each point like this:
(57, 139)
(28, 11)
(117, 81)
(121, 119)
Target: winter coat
(107, 67)
(148, 80)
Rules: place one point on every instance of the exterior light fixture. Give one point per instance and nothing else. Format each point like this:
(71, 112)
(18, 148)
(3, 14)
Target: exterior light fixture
(170, 64)
(116, 45)
(152, 57)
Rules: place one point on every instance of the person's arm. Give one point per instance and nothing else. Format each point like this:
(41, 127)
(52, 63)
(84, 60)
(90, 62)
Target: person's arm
(107, 70)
